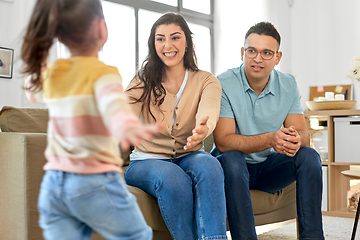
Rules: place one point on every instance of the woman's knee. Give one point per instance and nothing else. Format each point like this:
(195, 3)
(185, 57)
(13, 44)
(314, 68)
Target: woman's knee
(207, 161)
(211, 168)
(154, 176)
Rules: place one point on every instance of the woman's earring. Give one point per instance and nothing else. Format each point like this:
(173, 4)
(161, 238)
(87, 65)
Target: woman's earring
(186, 50)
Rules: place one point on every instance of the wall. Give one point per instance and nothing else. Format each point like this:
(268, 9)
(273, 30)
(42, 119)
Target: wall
(319, 37)
(231, 24)
(13, 19)
(325, 37)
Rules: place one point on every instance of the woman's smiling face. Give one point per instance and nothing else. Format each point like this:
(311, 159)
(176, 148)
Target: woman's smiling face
(170, 44)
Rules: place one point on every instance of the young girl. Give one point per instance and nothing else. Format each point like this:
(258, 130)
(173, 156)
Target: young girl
(173, 167)
(89, 115)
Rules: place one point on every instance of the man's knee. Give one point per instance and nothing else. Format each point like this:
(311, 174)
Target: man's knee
(309, 156)
(232, 161)
(231, 156)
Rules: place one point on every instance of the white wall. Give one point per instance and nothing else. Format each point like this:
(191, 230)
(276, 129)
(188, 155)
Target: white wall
(231, 24)
(14, 17)
(325, 37)
(319, 37)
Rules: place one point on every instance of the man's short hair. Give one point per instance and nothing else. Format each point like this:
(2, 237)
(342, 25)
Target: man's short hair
(264, 28)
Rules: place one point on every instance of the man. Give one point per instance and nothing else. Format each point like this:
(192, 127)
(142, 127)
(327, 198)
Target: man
(261, 135)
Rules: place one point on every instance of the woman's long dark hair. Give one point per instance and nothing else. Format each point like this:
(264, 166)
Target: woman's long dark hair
(68, 20)
(152, 70)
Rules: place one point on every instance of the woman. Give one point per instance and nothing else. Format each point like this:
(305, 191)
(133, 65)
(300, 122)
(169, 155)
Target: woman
(173, 167)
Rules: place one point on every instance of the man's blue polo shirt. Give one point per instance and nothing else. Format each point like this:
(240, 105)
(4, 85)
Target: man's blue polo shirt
(255, 114)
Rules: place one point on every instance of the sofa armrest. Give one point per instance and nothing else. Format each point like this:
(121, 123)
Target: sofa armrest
(21, 171)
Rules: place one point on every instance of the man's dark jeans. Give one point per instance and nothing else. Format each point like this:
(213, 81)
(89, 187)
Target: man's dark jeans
(275, 173)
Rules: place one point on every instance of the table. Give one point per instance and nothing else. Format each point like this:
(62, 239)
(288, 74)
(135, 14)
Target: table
(355, 174)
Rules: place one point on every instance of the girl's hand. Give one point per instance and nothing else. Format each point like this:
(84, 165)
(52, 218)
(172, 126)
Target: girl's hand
(198, 134)
(136, 133)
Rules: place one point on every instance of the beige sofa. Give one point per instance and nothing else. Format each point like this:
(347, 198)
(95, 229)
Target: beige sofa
(22, 145)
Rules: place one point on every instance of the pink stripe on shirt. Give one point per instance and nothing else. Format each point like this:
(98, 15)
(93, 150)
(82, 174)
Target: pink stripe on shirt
(79, 165)
(79, 126)
(115, 87)
(122, 121)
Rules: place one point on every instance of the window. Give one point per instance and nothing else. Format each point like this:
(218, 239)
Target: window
(146, 20)
(168, 2)
(120, 47)
(129, 23)
(203, 6)
(202, 42)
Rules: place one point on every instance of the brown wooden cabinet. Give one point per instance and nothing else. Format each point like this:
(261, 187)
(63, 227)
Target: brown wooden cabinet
(338, 184)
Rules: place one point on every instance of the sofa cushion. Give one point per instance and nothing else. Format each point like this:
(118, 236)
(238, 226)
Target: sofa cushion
(24, 120)
(264, 202)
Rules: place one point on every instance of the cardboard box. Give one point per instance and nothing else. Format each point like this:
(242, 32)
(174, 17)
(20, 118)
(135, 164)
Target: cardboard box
(347, 139)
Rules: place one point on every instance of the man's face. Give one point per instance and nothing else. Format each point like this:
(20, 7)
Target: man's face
(257, 68)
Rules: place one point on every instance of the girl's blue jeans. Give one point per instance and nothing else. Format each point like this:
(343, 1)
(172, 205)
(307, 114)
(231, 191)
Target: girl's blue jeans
(190, 193)
(272, 175)
(72, 205)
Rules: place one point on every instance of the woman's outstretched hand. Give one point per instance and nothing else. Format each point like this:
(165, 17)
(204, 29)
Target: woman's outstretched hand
(198, 134)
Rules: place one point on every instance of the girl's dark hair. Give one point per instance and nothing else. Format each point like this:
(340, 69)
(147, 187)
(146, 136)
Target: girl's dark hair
(264, 28)
(67, 20)
(152, 69)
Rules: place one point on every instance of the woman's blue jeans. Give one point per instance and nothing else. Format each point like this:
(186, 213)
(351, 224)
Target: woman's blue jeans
(275, 173)
(189, 191)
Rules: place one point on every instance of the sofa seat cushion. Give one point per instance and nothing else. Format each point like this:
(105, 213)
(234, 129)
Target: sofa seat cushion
(262, 203)
(266, 202)
(149, 208)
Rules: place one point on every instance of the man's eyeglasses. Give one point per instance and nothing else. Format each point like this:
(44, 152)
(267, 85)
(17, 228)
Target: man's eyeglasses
(265, 54)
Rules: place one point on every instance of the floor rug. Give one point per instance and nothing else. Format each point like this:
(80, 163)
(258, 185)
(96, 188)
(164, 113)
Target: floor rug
(335, 228)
